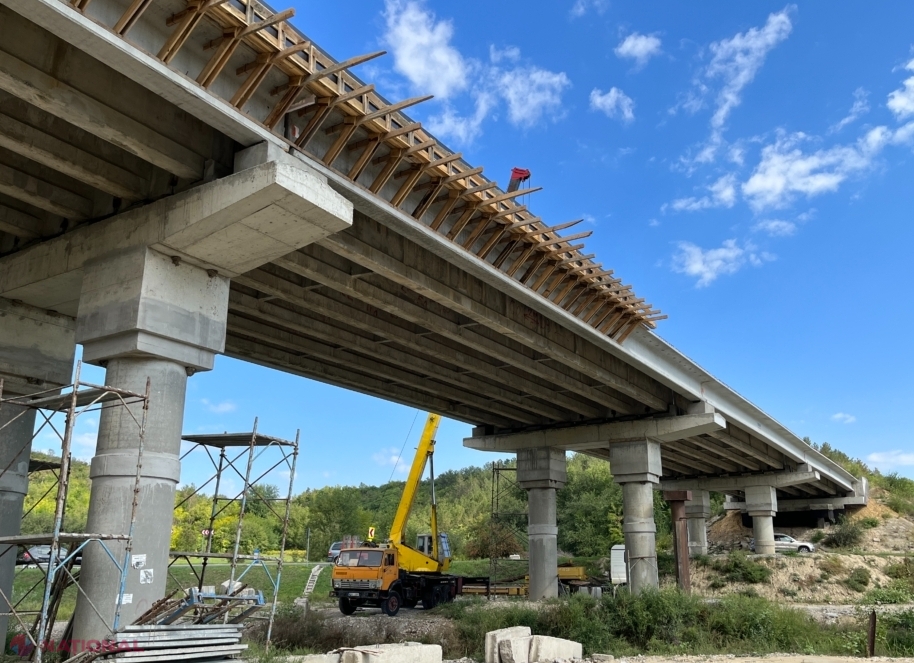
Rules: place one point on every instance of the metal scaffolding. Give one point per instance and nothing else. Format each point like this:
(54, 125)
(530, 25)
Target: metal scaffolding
(250, 457)
(72, 402)
(506, 527)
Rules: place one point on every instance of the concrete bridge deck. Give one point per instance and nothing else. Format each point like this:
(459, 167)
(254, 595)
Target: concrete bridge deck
(180, 179)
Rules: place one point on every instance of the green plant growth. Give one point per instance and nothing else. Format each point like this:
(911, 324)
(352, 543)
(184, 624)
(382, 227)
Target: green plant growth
(869, 522)
(846, 534)
(817, 536)
(858, 579)
(737, 567)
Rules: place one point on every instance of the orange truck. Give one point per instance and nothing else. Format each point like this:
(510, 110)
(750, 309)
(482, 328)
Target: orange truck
(392, 575)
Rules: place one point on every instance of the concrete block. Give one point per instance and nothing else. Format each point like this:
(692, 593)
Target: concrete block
(494, 637)
(404, 652)
(602, 658)
(515, 650)
(541, 468)
(314, 658)
(544, 649)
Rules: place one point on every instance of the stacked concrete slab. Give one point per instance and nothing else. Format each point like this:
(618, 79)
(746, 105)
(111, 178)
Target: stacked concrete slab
(517, 644)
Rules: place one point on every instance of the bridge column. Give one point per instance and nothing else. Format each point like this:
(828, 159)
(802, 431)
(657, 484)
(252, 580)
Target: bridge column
(141, 315)
(542, 472)
(636, 467)
(698, 510)
(36, 353)
(762, 505)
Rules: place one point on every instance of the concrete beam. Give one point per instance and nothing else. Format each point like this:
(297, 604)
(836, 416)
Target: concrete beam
(231, 225)
(415, 277)
(354, 313)
(14, 222)
(52, 96)
(308, 324)
(265, 355)
(823, 503)
(37, 348)
(312, 267)
(745, 447)
(594, 436)
(723, 484)
(43, 195)
(68, 159)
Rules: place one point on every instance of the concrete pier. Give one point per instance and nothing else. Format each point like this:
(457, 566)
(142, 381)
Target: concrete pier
(142, 315)
(697, 511)
(36, 354)
(762, 505)
(542, 472)
(636, 467)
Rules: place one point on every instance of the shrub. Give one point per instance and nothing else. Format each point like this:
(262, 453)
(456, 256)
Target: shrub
(703, 561)
(846, 534)
(869, 523)
(737, 567)
(817, 536)
(858, 579)
(897, 592)
(903, 570)
(832, 565)
(899, 633)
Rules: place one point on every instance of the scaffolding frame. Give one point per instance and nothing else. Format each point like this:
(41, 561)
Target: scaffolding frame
(234, 606)
(504, 525)
(72, 401)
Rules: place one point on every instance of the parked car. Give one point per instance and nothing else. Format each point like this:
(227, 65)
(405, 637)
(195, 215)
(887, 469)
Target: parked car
(334, 552)
(786, 543)
(41, 554)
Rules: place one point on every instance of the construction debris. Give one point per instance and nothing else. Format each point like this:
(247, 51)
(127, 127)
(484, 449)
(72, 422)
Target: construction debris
(405, 652)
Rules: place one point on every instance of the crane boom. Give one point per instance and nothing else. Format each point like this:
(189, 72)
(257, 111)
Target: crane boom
(423, 453)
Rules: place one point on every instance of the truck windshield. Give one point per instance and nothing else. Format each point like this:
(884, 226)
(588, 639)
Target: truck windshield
(361, 558)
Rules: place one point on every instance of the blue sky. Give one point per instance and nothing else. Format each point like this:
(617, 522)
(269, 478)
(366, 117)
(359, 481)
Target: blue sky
(746, 166)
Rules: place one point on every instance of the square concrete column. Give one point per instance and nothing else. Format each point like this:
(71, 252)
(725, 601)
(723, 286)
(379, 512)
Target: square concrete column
(697, 511)
(636, 467)
(541, 472)
(762, 505)
(36, 354)
(142, 315)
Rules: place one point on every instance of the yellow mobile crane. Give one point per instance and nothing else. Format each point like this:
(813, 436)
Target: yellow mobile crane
(392, 574)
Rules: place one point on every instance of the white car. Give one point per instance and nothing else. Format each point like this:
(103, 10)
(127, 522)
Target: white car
(786, 543)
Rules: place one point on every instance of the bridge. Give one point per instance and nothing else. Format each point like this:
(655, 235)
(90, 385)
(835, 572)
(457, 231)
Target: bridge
(183, 178)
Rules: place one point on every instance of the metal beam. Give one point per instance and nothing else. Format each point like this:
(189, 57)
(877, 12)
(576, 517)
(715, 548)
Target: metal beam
(582, 437)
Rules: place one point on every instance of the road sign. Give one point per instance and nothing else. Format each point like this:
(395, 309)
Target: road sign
(371, 533)
(206, 532)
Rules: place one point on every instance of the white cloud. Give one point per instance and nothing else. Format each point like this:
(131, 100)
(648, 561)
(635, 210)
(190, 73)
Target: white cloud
(391, 458)
(844, 418)
(708, 264)
(531, 93)
(615, 103)
(886, 460)
(581, 7)
(901, 101)
(462, 129)
(653, 223)
(422, 49)
(219, 408)
(509, 53)
(860, 108)
(786, 171)
(723, 194)
(776, 227)
(735, 63)
(639, 48)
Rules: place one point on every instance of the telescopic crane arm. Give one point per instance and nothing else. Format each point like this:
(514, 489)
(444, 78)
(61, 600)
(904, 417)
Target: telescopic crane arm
(424, 454)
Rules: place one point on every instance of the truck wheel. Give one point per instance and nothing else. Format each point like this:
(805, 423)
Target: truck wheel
(347, 607)
(429, 598)
(391, 605)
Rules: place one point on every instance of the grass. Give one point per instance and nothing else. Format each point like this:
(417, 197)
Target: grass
(858, 579)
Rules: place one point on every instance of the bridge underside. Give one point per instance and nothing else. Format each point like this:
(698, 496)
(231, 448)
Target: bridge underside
(180, 179)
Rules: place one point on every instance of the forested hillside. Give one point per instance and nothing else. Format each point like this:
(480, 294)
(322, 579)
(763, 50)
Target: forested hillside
(589, 510)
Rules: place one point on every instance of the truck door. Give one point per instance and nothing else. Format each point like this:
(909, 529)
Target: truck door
(390, 571)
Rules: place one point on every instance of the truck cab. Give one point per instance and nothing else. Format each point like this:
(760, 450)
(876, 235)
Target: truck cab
(369, 576)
